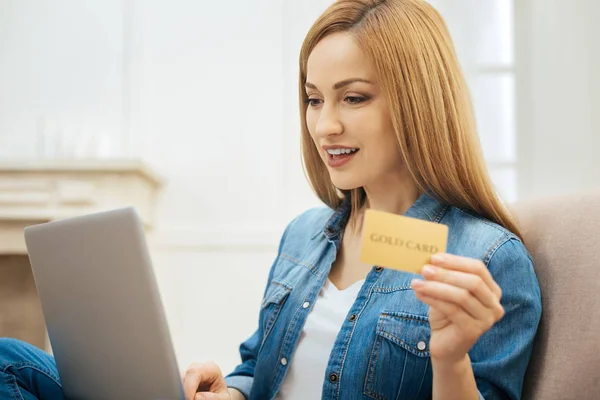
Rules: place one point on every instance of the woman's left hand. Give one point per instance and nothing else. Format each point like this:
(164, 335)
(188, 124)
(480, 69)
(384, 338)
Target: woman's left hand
(464, 303)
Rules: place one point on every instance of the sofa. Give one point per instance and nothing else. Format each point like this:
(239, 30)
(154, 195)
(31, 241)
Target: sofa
(563, 236)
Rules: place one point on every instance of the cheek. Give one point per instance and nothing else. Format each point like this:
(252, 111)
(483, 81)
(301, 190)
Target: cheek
(382, 149)
(311, 122)
(390, 150)
(382, 143)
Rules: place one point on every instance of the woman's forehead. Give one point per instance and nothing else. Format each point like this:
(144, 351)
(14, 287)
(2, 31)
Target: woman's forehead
(337, 57)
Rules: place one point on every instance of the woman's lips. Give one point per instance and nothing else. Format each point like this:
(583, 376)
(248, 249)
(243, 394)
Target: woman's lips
(336, 161)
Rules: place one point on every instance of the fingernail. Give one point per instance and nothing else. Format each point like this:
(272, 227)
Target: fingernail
(437, 258)
(416, 283)
(429, 270)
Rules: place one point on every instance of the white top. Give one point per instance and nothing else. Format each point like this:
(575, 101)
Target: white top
(306, 373)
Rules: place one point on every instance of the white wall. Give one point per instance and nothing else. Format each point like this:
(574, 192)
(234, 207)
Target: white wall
(207, 103)
(196, 90)
(559, 96)
(60, 64)
(298, 16)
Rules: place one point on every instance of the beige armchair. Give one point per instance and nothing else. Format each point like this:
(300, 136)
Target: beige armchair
(563, 236)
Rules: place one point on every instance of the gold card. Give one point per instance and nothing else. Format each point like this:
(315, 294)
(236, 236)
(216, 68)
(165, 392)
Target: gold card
(399, 242)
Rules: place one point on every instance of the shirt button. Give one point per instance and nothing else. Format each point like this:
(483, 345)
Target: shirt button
(352, 318)
(284, 361)
(421, 345)
(306, 304)
(378, 269)
(333, 378)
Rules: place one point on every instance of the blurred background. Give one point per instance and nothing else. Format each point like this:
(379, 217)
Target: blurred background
(188, 110)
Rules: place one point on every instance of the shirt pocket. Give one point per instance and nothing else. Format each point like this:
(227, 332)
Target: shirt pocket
(271, 306)
(399, 358)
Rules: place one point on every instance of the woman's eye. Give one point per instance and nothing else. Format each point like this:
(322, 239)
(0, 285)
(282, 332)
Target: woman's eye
(313, 102)
(355, 99)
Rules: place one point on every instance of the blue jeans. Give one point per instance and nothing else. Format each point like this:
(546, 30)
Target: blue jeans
(27, 373)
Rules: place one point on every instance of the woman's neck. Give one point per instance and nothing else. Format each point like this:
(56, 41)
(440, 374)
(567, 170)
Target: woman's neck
(383, 199)
(398, 201)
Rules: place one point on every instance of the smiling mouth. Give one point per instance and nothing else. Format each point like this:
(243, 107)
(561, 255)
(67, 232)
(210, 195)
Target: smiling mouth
(338, 154)
(339, 157)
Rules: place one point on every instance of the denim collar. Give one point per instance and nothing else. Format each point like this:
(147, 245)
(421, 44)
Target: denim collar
(427, 207)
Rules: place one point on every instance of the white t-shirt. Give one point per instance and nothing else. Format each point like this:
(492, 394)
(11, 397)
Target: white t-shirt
(306, 373)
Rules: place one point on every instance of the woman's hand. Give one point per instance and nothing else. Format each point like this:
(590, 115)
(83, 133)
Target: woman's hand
(205, 382)
(464, 303)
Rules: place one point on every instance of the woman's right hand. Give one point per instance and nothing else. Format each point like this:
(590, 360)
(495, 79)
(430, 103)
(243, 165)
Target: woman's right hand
(204, 381)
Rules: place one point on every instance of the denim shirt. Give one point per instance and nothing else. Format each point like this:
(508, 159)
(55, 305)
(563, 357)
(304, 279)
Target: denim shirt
(381, 350)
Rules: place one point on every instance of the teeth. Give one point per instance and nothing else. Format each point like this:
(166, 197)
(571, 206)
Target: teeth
(337, 152)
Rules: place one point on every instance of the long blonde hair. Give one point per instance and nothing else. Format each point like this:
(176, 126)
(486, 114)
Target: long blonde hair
(420, 76)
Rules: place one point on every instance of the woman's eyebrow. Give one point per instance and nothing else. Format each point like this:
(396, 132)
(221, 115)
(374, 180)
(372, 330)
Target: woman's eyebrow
(340, 84)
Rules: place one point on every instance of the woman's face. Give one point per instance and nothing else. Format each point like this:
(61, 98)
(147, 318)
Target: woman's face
(347, 115)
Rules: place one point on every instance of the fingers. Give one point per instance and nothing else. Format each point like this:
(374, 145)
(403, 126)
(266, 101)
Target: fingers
(451, 311)
(474, 284)
(204, 377)
(209, 396)
(455, 297)
(191, 380)
(467, 265)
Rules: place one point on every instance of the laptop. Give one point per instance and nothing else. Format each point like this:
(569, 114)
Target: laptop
(105, 319)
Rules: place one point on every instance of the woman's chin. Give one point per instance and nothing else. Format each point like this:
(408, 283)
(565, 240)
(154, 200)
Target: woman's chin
(343, 184)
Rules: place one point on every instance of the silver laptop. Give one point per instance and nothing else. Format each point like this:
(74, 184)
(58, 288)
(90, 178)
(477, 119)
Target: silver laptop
(105, 318)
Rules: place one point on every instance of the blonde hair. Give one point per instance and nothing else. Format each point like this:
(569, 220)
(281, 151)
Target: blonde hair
(420, 76)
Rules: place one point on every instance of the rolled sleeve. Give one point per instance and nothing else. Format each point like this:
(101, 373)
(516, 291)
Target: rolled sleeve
(241, 383)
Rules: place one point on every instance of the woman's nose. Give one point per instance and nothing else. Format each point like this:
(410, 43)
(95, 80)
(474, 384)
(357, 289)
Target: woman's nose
(328, 123)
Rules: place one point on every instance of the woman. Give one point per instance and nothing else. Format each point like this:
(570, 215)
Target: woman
(386, 124)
